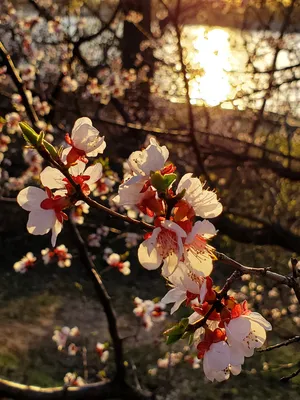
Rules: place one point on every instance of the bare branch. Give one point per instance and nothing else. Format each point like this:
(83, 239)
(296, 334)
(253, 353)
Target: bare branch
(14, 74)
(285, 343)
(285, 379)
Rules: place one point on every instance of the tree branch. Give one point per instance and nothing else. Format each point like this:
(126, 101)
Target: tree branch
(110, 390)
(285, 343)
(14, 74)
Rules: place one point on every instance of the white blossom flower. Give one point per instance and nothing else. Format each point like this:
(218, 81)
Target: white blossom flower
(184, 284)
(25, 263)
(45, 211)
(152, 158)
(71, 379)
(198, 254)
(4, 142)
(101, 349)
(246, 330)
(69, 84)
(169, 360)
(114, 260)
(52, 178)
(149, 311)
(204, 202)
(218, 361)
(78, 211)
(73, 349)
(84, 141)
(60, 337)
(12, 120)
(165, 245)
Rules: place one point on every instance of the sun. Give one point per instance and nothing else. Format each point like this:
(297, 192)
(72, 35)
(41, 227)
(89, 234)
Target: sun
(210, 54)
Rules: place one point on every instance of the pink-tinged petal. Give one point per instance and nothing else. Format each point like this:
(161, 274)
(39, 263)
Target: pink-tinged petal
(236, 369)
(65, 153)
(130, 191)
(94, 172)
(201, 263)
(254, 316)
(151, 261)
(258, 336)
(177, 304)
(209, 206)
(204, 202)
(86, 137)
(218, 356)
(193, 318)
(201, 228)
(99, 149)
(221, 376)
(151, 242)
(61, 192)
(31, 197)
(52, 178)
(236, 354)
(172, 226)
(208, 372)
(81, 121)
(56, 229)
(173, 295)
(78, 169)
(152, 158)
(170, 264)
(181, 279)
(40, 221)
(238, 328)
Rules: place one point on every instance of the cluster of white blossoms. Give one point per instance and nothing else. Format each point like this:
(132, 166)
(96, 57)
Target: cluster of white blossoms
(149, 312)
(26, 262)
(224, 331)
(60, 336)
(102, 351)
(46, 208)
(59, 255)
(115, 261)
(72, 379)
(179, 245)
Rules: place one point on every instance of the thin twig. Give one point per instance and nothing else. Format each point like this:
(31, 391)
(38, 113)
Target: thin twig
(285, 379)
(285, 343)
(14, 74)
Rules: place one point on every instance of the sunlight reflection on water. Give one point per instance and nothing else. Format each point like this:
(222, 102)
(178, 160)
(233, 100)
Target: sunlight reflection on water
(211, 55)
(216, 60)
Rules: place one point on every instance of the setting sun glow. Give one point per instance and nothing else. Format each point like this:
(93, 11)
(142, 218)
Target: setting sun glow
(210, 56)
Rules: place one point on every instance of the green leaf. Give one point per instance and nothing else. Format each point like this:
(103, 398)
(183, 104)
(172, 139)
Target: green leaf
(178, 328)
(173, 338)
(37, 140)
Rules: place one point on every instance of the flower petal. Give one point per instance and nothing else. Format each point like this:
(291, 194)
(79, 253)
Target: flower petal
(56, 229)
(40, 221)
(52, 178)
(149, 261)
(94, 172)
(31, 197)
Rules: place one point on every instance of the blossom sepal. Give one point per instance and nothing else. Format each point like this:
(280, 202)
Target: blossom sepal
(162, 182)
